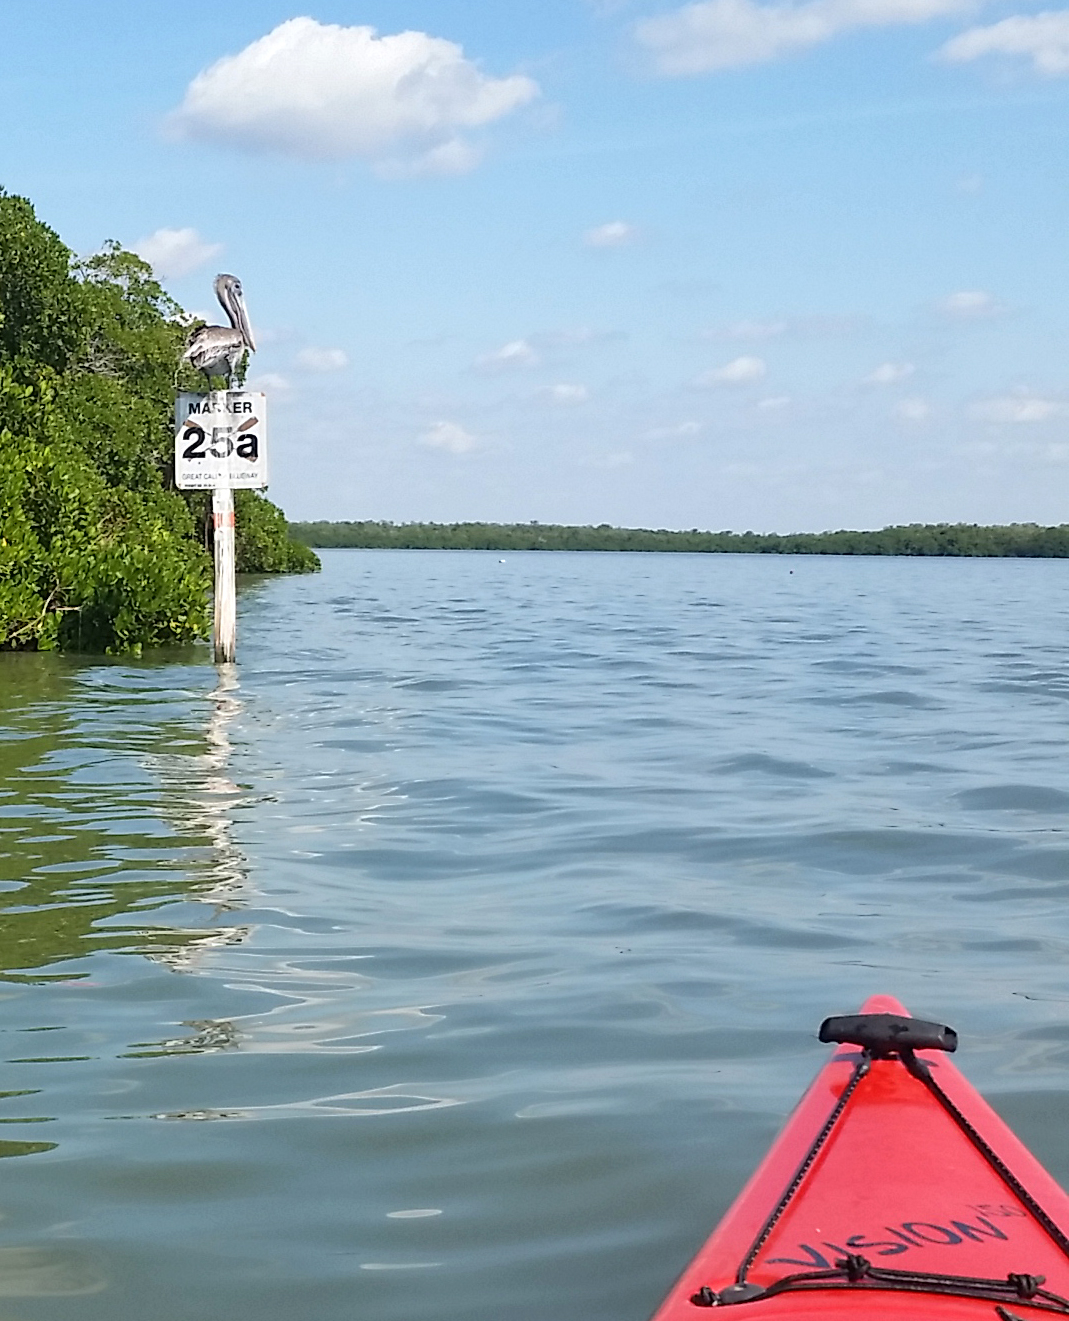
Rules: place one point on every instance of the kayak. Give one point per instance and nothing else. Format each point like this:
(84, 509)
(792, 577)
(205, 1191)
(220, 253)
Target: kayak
(893, 1193)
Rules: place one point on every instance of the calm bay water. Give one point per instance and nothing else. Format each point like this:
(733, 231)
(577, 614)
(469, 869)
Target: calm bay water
(459, 954)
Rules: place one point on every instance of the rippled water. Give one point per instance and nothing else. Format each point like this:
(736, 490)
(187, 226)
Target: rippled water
(459, 953)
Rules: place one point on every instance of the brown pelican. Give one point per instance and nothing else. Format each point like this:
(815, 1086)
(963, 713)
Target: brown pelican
(210, 348)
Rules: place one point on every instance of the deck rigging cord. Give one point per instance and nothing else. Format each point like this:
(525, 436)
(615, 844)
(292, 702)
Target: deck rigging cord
(895, 1037)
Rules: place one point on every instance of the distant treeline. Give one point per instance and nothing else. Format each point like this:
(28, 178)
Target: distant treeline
(1017, 539)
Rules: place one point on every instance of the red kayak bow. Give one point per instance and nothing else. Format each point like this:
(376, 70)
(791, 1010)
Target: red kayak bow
(894, 1192)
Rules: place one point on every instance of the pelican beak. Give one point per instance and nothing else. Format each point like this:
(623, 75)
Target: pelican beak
(241, 319)
(228, 291)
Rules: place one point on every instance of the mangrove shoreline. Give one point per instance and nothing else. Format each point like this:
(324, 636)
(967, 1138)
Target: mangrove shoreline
(1020, 540)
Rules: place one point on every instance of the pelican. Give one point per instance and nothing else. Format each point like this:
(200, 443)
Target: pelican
(210, 348)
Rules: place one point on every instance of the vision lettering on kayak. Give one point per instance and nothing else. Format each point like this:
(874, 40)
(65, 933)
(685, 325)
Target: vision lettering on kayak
(997, 1209)
(907, 1234)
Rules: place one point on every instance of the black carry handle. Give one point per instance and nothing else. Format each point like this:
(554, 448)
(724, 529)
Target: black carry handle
(884, 1033)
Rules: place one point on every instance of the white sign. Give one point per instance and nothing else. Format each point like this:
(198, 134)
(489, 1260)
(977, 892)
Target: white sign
(220, 440)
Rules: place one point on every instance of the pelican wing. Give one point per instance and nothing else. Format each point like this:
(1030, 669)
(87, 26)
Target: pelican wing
(210, 347)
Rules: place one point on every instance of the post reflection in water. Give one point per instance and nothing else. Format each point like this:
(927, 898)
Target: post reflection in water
(117, 801)
(208, 796)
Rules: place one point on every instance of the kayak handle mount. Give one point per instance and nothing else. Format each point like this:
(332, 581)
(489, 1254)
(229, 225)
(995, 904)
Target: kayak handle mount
(886, 1035)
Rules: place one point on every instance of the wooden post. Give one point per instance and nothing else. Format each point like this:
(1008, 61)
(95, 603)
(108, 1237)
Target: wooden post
(211, 446)
(226, 623)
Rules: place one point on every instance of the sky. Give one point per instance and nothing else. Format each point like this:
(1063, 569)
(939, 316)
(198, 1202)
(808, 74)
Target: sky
(726, 264)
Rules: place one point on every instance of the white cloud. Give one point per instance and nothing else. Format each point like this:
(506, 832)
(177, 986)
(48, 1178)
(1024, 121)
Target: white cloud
(806, 327)
(516, 353)
(723, 34)
(774, 402)
(270, 382)
(913, 409)
(173, 253)
(322, 360)
(890, 373)
(1019, 407)
(1042, 38)
(616, 234)
(679, 432)
(969, 305)
(739, 371)
(579, 335)
(616, 459)
(568, 394)
(750, 330)
(308, 89)
(449, 436)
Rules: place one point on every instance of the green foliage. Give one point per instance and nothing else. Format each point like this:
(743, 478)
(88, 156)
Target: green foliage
(84, 563)
(97, 550)
(1016, 539)
(40, 305)
(263, 542)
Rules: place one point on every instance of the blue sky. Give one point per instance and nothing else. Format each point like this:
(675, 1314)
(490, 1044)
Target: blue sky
(727, 264)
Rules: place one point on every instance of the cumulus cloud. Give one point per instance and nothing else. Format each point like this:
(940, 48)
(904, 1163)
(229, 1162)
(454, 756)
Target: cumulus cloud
(568, 394)
(739, 371)
(774, 402)
(723, 34)
(449, 436)
(615, 234)
(516, 353)
(1017, 408)
(403, 102)
(322, 360)
(1041, 38)
(968, 305)
(173, 253)
(890, 373)
(913, 409)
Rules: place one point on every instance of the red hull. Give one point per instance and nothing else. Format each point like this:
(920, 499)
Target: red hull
(898, 1182)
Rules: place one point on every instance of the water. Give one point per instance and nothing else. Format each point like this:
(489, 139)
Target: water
(459, 954)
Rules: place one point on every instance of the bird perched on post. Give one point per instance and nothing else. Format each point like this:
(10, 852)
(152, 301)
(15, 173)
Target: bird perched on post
(210, 348)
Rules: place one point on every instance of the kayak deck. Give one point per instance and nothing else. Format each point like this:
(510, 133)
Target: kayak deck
(887, 1196)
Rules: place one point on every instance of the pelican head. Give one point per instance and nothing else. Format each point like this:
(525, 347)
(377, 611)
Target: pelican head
(228, 291)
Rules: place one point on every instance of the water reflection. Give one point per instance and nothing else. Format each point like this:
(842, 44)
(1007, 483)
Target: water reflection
(213, 1034)
(208, 797)
(47, 1272)
(108, 811)
(348, 1105)
(539, 903)
(117, 803)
